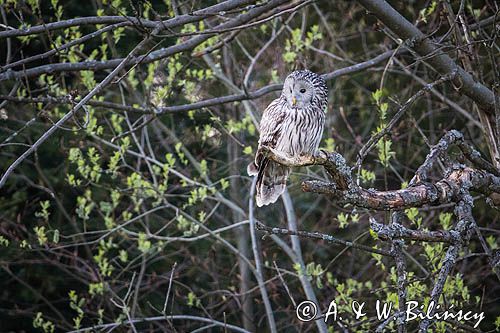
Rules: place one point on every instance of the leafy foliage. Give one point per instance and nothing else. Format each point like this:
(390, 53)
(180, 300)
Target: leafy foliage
(125, 207)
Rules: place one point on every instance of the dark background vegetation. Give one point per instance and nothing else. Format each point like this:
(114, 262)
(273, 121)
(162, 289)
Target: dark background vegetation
(71, 259)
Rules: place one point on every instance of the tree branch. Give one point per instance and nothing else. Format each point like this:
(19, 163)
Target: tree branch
(424, 46)
(195, 16)
(398, 231)
(155, 55)
(318, 235)
(419, 193)
(204, 103)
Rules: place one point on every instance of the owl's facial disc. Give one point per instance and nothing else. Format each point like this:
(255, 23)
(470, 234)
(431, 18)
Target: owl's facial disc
(298, 93)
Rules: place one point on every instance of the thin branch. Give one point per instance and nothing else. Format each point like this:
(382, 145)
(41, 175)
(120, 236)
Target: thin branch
(62, 47)
(215, 10)
(164, 311)
(127, 61)
(463, 81)
(70, 114)
(258, 261)
(397, 251)
(401, 111)
(149, 57)
(318, 235)
(463, 211)
(161, 318)
(304, 280)
(208, 102)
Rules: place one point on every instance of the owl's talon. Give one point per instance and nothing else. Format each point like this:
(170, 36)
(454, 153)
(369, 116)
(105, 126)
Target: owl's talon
(278, 153)
(266, 150)
(323, 153)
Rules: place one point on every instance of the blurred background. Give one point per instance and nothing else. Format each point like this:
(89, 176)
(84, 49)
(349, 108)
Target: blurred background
(137, 207)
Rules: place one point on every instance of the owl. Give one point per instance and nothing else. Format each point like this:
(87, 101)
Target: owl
(291, 124)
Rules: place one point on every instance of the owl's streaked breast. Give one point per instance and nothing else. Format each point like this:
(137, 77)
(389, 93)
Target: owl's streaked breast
(301, 130)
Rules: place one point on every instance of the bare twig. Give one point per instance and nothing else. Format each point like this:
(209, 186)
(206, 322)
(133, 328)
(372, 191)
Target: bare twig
(160, 319)
(258, 261)
(463, 81)
(318, 235)
(401, 111)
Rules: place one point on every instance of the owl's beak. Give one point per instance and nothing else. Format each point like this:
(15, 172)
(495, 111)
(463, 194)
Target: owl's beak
(294, 101)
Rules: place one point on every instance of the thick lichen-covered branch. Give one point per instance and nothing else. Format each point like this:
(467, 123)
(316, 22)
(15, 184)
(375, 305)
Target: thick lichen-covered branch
(420, 192)
(455, 186)
(396, 230)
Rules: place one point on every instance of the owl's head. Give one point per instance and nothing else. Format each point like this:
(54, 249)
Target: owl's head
(303, 88)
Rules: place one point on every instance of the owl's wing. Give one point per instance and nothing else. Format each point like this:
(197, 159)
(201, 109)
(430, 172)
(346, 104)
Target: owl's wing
(271, 176)
(270, 131)
(270, 127)
(270, 124)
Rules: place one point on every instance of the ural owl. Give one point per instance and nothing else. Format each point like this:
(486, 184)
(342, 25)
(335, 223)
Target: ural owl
(292, 124)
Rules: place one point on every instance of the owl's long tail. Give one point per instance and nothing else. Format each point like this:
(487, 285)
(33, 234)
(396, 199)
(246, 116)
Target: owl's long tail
(271, 180)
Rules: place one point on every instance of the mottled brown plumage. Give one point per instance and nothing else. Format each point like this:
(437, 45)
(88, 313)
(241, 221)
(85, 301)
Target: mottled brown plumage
(292, 124)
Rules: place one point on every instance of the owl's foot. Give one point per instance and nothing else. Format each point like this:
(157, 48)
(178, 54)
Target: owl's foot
(285, 159)
(321, 153)
(306, 158)
(280, 154)
(318, 157)
(276, 155)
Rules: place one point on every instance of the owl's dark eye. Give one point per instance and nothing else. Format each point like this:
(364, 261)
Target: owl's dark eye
(302, 90)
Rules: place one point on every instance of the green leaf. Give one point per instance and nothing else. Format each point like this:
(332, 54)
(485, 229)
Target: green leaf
(376, 95)
(248, 150)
